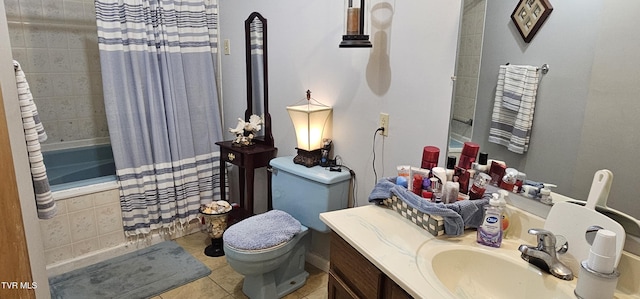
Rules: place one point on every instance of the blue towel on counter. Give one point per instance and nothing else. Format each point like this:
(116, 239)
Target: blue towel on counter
(457, 215)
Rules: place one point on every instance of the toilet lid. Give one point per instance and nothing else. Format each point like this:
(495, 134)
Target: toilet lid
(262, 231)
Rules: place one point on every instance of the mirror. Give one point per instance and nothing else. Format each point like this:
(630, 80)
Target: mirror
(586, 113)
(257, 74)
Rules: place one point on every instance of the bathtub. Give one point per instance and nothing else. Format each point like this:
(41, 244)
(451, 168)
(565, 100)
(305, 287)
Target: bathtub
(88, 226)
(78, 167)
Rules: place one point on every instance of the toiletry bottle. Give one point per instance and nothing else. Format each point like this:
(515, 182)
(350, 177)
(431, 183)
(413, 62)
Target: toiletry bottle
(451, 191)
(468, 154)
(436, 189)
(520, 181)
(430, 156)
(479, 186)
(416, 184)
(496, 171)
(506, 214)
(462, 176)
(508, 181)
(440, 173)
(490, 231)
(545, 194)
(404, 175)
(481, 165)
(451, 165)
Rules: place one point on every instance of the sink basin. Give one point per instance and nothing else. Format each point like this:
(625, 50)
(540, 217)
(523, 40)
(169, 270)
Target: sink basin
(461, 268)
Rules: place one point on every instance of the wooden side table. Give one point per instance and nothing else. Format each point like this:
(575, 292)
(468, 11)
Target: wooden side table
(247, 158)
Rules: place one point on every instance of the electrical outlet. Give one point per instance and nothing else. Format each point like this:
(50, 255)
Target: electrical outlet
(384, 123)
(227, 47)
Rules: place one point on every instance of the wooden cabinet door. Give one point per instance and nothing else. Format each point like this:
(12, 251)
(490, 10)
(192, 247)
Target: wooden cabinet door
(338, 290)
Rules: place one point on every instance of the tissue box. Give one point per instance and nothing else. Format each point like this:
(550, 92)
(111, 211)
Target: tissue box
(434, 224)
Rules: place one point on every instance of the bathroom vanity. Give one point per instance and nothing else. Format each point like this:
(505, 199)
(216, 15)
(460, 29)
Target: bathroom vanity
(377, 253)
(351, 275)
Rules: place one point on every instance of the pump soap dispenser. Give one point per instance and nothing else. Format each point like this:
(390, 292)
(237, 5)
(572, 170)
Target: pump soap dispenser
(506, 214)
(545, 194)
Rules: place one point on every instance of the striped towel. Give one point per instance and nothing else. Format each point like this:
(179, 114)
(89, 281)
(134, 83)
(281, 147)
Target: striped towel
(512, 117)
(34, 134)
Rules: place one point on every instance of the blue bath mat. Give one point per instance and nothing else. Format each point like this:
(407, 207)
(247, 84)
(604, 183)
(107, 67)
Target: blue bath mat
(141, 274)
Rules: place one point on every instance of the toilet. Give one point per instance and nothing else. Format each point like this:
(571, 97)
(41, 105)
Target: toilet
(269, 249)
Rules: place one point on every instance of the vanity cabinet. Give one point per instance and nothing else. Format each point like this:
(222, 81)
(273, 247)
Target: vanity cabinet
(351, 275)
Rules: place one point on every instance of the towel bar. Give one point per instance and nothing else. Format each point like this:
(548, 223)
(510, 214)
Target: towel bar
(467, 122)
(544, 68)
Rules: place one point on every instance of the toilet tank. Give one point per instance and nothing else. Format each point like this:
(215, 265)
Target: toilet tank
(305, 192)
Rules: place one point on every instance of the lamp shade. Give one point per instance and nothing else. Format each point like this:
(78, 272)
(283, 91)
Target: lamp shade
(309, 121)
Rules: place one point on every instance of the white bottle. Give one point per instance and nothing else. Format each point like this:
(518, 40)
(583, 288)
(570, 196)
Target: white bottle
(545, 194)
(490, 231)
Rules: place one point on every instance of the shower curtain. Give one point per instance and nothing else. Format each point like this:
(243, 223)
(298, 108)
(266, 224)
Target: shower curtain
(158, 60)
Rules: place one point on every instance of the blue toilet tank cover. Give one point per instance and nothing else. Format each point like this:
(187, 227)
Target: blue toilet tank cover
(262, 231)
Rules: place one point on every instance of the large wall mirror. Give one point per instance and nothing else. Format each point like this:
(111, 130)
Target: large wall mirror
(587, 108)
(255, 27)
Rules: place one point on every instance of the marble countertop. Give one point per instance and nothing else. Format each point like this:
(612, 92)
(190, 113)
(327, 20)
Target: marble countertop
(386, 239)
(391, 243)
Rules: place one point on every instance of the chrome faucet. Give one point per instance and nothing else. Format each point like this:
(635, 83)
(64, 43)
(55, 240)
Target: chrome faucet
(544, 254)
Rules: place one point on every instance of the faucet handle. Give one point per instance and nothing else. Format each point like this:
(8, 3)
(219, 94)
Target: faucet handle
(546, 239)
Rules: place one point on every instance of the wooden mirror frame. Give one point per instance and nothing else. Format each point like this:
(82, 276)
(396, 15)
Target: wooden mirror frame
(268, 136)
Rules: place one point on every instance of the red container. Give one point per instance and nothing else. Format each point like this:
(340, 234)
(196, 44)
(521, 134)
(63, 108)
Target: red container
(468, 156)
(430, 155)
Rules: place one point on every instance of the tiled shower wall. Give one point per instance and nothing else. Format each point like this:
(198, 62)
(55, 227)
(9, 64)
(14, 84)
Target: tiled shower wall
(56, 43)
(468, 66)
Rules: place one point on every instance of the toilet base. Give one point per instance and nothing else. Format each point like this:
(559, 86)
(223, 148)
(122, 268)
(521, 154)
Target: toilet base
(215, 249)
(289, 277)
(268, 286)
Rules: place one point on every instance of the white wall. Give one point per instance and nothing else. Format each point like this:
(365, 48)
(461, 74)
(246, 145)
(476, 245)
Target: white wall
(407, 74)
(610, 135)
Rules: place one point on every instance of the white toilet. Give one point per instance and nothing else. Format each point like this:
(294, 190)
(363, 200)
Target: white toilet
(269, 249)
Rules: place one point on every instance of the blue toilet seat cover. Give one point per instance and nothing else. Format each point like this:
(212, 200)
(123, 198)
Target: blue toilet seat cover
(262, 231)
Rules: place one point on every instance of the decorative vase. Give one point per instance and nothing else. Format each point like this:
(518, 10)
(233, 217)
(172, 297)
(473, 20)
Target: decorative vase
(215, 225)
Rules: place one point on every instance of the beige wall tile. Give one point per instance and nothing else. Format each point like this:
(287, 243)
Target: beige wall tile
(79, 203)
(56, 232)
(58, 254)
(85, 246)
(109, 218)
(82, 226)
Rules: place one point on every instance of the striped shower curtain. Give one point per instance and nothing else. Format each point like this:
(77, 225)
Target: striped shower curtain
(158, 61)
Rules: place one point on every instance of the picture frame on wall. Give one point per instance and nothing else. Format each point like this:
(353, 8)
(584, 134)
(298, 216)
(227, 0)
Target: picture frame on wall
(529, 16)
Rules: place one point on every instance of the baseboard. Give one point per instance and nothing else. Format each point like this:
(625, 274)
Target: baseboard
(99, 256)
(317, 261)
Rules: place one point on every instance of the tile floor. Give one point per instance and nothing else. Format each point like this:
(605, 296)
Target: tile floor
(224, 282)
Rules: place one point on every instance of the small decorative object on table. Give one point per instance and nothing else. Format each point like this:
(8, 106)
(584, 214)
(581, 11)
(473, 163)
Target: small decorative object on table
(214, 221)
(246, 131)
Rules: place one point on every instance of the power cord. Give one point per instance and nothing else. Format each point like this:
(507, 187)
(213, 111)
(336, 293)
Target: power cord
(353, 181)
(381, 129)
